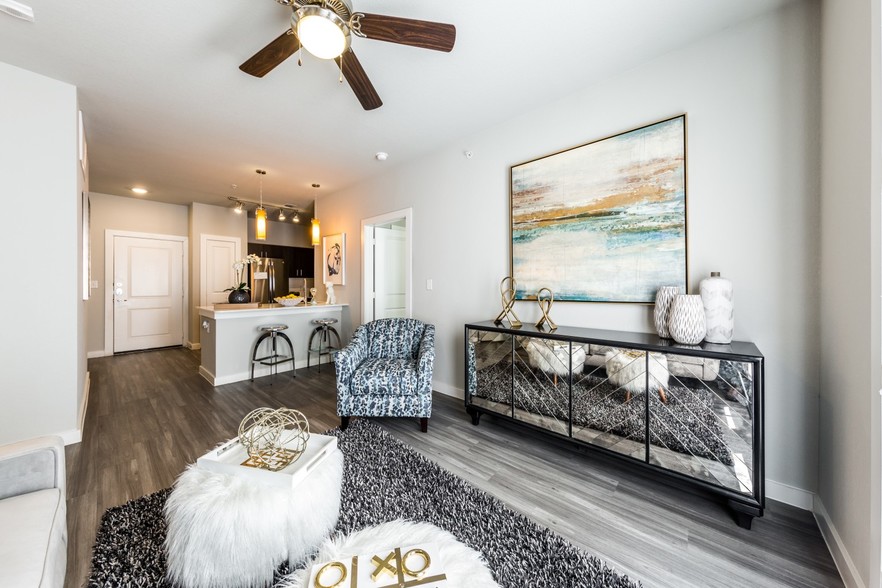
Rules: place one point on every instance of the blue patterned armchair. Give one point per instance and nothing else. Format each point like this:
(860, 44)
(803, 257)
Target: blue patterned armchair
(386, 370)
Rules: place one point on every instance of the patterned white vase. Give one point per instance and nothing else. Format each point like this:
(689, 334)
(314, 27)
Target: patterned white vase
(719, 308)
(663, 299)
(687, 323)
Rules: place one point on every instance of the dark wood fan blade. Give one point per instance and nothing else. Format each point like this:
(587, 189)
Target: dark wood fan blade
(406, 31)
(358, 80)
(265, 60)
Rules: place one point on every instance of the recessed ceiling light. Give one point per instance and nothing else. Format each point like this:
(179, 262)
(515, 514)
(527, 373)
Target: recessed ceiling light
(381, 156)
(17, 9)
(138, 190)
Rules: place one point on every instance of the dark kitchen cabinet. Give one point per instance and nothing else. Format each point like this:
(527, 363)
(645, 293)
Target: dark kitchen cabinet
(300, 261)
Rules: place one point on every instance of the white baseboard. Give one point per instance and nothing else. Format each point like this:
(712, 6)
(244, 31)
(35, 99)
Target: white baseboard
(448, 390)
(790, 495)
(71, 437)
(94, 354)
(84, 406)
(260, 371)
(208, 376)
(847, 570)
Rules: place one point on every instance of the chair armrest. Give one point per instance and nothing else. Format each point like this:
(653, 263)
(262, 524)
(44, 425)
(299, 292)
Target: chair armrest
(426, 360)
(350, 357)
(28, 466)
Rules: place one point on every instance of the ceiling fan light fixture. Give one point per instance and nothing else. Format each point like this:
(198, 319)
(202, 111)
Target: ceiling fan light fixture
(321, 31)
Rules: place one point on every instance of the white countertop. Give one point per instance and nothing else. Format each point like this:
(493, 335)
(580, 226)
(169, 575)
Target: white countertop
(275, 310)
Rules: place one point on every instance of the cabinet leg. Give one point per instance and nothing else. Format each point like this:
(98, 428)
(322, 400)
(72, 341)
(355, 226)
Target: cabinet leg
(744, 514)
(743, 519)
(475, 414)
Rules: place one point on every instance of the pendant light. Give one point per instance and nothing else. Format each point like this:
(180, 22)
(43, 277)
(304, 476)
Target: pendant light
(260, 213)
(316, 233)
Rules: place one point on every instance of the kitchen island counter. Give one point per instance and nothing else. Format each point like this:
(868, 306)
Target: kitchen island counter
(228, 337)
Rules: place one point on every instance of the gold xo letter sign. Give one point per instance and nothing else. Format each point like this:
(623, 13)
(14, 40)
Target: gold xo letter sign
(403, 570)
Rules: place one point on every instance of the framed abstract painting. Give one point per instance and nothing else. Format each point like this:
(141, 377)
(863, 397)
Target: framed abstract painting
(334, 259)
(605, 221)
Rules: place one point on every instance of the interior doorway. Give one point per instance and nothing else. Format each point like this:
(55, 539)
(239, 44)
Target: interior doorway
(145, 305)
(386, 255)
(217, 254)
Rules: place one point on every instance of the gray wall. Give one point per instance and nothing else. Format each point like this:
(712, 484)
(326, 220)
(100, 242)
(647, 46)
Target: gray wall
(849, 488)
(751, 95)
(42, 383)
(209, 220)
(123, 214)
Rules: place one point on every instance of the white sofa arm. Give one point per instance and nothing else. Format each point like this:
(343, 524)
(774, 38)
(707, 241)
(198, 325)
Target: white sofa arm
(35, 464)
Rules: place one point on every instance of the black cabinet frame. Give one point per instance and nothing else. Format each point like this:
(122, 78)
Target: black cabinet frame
(746, 505)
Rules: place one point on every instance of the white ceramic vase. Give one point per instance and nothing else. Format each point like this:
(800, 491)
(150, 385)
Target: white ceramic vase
(719, 308)
(687, 323)
(663, 299)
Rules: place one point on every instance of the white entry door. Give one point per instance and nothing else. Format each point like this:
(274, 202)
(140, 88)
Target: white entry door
(218, 256)
(389, 272)
(148, 293)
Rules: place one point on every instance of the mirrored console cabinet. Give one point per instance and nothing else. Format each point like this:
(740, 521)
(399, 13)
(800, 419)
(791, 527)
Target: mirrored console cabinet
(692, 414)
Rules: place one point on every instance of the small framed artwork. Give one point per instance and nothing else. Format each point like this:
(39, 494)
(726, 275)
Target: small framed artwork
(334, 259)
(605, 221)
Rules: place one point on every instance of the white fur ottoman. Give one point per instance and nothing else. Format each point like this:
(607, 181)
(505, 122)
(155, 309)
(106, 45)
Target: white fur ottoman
(554, 358)
(626, 369)
(226, 531)
(463, 566)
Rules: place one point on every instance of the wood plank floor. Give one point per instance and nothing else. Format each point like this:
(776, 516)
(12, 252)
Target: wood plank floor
(150, 414)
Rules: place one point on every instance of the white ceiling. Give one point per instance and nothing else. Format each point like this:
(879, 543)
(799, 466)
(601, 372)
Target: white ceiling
(166, 106)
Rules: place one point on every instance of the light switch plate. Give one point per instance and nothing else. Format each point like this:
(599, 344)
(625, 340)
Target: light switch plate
(93, 284)
(429, 284)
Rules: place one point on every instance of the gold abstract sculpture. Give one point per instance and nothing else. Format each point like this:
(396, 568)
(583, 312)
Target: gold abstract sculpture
(508, 300)
(273, 438)
(545, 307)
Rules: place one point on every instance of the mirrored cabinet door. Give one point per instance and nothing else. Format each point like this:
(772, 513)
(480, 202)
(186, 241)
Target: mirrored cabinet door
(705, 429)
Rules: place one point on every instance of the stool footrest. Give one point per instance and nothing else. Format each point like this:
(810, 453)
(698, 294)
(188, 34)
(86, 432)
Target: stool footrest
(276, 360)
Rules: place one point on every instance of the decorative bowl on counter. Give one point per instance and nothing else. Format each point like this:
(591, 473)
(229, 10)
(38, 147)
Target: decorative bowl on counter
(289, 301)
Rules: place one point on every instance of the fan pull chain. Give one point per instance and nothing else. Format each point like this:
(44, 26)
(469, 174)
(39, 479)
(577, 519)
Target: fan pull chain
(300, 55)
(341, 69)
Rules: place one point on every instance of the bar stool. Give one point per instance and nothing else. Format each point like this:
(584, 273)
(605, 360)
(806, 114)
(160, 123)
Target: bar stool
(324, 330)
(273, 333)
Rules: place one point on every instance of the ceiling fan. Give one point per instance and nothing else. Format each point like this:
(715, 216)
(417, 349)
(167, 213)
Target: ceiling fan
(324, 28)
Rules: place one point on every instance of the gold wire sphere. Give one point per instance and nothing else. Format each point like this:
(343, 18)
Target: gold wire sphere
(273, 438)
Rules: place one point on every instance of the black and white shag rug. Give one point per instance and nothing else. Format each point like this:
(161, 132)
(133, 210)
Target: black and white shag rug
(686, 423)
(383, 480)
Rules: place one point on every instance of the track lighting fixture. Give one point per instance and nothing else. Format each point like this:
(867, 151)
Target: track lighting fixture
(244, 204)
(282, 214)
